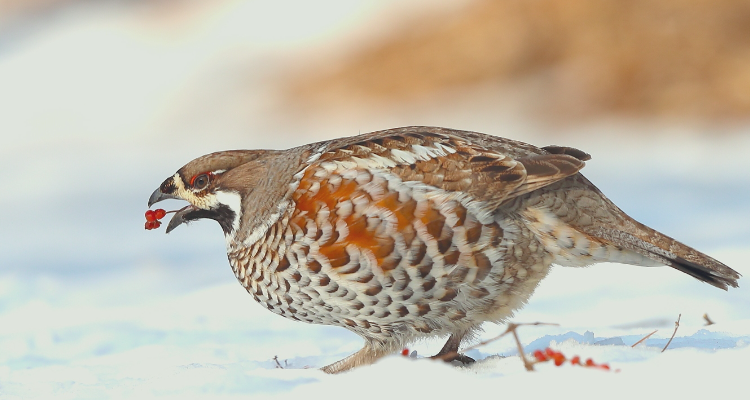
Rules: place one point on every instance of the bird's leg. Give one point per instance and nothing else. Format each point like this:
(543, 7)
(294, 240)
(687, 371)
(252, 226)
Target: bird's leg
(449, 352)
(370, 353)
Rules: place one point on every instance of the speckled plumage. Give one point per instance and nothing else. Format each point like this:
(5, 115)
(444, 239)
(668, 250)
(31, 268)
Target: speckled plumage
(413, 231)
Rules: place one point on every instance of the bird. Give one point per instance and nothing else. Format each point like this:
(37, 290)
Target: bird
(413, 232)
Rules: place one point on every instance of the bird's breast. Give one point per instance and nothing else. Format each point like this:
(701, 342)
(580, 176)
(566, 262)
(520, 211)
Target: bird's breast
(369, 252)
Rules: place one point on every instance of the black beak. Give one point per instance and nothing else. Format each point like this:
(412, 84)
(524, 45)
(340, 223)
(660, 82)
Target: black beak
(180, 217)
(158, 196)
(189, 212)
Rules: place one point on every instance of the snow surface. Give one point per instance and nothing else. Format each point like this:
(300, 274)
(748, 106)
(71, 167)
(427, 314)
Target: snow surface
(95, 340)
(101, 102)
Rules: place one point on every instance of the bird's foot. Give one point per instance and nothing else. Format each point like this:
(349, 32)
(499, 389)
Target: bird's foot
(454, 358)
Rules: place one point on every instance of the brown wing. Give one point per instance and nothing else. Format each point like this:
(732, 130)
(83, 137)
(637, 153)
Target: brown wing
(404, 211)
(487, 168)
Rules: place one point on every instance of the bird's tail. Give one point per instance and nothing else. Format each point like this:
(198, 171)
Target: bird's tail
(662, 249)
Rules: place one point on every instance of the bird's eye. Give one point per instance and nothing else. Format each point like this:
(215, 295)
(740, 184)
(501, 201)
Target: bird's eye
(201, 181)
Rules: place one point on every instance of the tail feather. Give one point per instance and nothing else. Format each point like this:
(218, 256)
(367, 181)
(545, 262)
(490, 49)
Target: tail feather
(665, 250)
(722, 279)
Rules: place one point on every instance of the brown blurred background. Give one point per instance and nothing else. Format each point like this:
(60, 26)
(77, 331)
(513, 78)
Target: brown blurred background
(575, 58)
(557, 59)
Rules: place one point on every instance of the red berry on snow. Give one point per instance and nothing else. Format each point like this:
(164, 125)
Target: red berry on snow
(559, 359)
(576, 360)
(540, 356)
(589, 362)
(405, 352)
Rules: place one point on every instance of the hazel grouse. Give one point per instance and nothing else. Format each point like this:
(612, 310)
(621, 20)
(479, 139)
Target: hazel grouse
(412, 232)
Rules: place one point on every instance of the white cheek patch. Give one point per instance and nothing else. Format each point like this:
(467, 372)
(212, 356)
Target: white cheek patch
(232, 200)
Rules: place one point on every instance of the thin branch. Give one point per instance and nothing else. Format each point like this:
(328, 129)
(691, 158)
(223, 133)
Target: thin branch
(529, 366)
(708, 320)
(510, 329)
(676, 325)
(644, 338)
(278, 364)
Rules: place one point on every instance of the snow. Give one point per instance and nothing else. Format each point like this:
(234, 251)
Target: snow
(214, 342)
(93, 306)
(94, 339)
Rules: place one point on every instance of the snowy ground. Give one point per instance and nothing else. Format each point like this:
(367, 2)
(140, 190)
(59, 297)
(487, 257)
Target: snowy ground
(100, 339)
(99, 105)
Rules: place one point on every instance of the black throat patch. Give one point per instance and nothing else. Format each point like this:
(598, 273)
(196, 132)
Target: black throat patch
(223, 215)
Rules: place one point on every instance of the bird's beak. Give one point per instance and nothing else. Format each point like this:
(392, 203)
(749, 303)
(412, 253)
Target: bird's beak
(158, 196)
(180, 216)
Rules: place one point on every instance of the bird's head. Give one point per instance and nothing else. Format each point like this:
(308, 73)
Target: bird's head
(214, 185)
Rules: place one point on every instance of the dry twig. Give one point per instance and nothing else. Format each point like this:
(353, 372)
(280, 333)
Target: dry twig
(676, 325)
(708, 320)
(529, 366)
(644, 338)
(510, 329)
(278, 364)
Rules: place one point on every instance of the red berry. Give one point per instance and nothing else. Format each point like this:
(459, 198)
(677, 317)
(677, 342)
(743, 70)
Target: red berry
(559, 359)
(549, 352)
(405, 352)
(150, 215)
(152, 225)
(540, 356)
(576, 360)
(589, 362)
(159, 213)
(604, 366)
